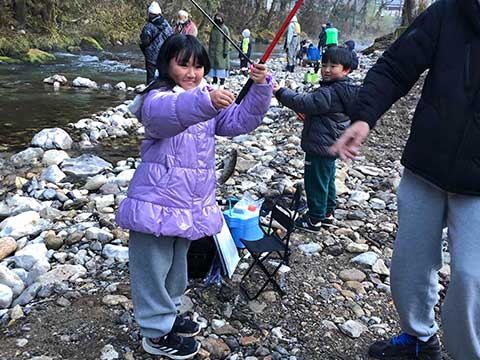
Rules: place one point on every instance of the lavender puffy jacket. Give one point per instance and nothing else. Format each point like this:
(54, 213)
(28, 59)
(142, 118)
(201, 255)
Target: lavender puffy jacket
(172, 192)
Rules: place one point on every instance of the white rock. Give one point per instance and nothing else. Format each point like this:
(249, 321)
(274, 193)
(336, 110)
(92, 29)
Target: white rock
(94, 233)
(104, 201)
(19, 204)
(353, 328)
(109, 353)
(380, 268)
(354, 247)
(20, 225)
(369, 258)
(54, 157)
(6, 296)
(84, 82)
(56, 78)
(95, 182)
(124, 178)
(310, 248)
(54, 138)
(377, 204)
(121, 86)
(359, 197)
(117, 252)
(10, 279)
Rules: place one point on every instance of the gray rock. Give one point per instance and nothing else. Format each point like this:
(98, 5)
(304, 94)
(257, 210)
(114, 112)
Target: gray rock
(24, 224)
(53, 174)
(359, 197)
(38, 269)
(84, 82)
(123, 179)
(61, 273)
(310, 248)
(27, 157)
(94, 183)
(94, 233)
(28, 295)
(85, 165)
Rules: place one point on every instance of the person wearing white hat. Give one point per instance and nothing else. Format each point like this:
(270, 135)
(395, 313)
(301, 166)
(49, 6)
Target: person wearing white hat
(185, 25)
(292, 42)
(154, 33)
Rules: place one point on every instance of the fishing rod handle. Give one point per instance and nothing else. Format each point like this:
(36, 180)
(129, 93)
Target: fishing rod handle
(244, 91)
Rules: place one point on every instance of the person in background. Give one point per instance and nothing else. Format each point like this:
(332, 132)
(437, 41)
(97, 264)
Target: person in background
(322, 38)
(154, 33)
(313, 57)
(326, 117)
(331, 35)
(440, 184)
(350, 44)
(185, 25)
(292, 42)
(218, 51)
(246, 47)
(302, 51)
(171, 197)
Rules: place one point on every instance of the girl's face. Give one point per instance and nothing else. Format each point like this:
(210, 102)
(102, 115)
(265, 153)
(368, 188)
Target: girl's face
(188, 75)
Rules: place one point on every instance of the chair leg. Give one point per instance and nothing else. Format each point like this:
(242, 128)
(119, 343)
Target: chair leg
(269, 277)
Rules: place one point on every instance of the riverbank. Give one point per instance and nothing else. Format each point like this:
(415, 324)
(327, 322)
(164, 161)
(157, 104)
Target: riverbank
(66, 258)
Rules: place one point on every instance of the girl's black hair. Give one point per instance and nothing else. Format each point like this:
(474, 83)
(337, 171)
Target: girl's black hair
(338, 55)
(181, 48)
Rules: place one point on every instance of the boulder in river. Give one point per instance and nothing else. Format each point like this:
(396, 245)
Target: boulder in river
(85, 165)
(53, 138)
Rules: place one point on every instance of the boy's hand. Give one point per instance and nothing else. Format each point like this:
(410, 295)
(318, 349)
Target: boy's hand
(221, 99)
(259, 73)
(348, 144)
(276, 87)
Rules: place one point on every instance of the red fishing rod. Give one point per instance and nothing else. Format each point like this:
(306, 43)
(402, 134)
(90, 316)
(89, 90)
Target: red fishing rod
(269, 50)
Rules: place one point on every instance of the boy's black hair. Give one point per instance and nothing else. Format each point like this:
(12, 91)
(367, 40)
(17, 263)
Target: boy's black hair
(180, 47)
(338, 55)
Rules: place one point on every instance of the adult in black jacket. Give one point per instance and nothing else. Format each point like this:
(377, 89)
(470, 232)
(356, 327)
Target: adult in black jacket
(441, 181)
(154, 33)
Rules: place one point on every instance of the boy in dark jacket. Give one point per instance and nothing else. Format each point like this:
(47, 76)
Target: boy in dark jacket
(441, 182)
(325, 119)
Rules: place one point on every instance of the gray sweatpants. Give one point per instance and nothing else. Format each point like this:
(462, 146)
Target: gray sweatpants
(424, 210)
(158, 276)
(292, 49)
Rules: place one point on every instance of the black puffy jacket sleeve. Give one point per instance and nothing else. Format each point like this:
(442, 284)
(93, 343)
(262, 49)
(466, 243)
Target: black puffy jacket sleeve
(400, 66)
(318, 102)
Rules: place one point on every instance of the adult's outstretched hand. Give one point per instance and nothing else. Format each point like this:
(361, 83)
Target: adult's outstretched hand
(348, 144)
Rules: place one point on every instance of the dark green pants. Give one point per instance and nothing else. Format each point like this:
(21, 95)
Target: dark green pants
(320, 186)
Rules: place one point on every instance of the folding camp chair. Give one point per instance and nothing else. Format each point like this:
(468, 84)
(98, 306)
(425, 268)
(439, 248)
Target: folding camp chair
(275, 242)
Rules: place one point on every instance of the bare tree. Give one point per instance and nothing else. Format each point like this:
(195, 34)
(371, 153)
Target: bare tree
(411, 9)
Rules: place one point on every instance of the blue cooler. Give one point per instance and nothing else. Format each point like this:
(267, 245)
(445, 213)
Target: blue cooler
(243, 224)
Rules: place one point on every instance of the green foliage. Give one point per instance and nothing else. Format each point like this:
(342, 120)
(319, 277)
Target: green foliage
(13, 46)
(8, 60)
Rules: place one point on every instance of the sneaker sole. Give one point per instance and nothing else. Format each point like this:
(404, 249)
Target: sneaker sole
(307, 230)
(404, 357)
(188, 334)
(154, 351)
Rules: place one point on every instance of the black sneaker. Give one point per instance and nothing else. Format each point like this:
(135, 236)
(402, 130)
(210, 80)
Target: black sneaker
(171, 346)
(305, 223)
(329, 219)
(405, 346)
(185, 327)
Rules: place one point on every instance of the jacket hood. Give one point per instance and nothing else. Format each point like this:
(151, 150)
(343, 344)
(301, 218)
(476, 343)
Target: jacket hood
(471, 9)
(159, 21)
(350, 44)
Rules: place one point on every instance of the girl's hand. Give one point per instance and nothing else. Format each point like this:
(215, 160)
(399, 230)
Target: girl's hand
(221, 99)
(259, 73)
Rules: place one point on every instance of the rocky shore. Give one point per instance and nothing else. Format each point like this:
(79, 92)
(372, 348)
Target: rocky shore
(64, 285)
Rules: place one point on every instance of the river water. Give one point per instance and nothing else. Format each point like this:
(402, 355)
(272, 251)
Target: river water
(27, 105)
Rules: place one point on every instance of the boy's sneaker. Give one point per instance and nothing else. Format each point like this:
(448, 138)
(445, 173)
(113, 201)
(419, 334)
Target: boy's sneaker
(171, 346)
(329, 219)
(185, 327)
(305, 223)
(405, 346)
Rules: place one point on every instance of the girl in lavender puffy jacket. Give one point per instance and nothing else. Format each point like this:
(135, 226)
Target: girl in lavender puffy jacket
(171, 198)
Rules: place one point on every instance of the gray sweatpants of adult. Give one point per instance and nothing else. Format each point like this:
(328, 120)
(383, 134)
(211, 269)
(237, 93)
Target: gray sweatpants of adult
(158, 276)
(424, 210)
(292, 49)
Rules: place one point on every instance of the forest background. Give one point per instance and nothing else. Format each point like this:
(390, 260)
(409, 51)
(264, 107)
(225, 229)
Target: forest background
(53, 25)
